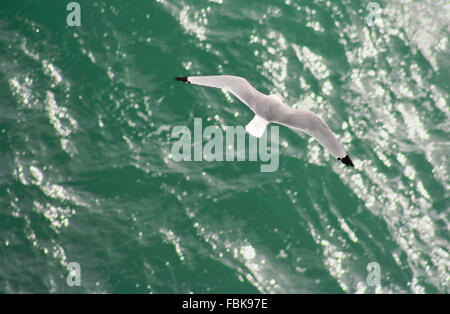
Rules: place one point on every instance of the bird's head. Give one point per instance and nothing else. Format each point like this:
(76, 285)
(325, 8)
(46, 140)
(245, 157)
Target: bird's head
(276, 98)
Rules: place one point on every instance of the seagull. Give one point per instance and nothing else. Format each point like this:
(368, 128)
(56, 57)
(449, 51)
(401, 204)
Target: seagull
(270, 108)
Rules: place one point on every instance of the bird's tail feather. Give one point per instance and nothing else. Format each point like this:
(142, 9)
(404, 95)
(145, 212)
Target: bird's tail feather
(257, 126)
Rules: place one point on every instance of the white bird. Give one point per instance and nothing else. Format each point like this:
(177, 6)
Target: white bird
(270, 108)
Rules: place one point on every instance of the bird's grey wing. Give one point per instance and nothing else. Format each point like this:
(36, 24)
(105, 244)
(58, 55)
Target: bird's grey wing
(236, 85)
(310, 123)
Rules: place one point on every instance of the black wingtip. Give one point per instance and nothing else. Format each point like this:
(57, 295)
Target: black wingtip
(182, 79)
(347, 161)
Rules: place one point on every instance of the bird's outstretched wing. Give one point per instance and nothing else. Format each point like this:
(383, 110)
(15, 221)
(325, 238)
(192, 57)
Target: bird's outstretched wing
(310, 123)
(236, 85)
